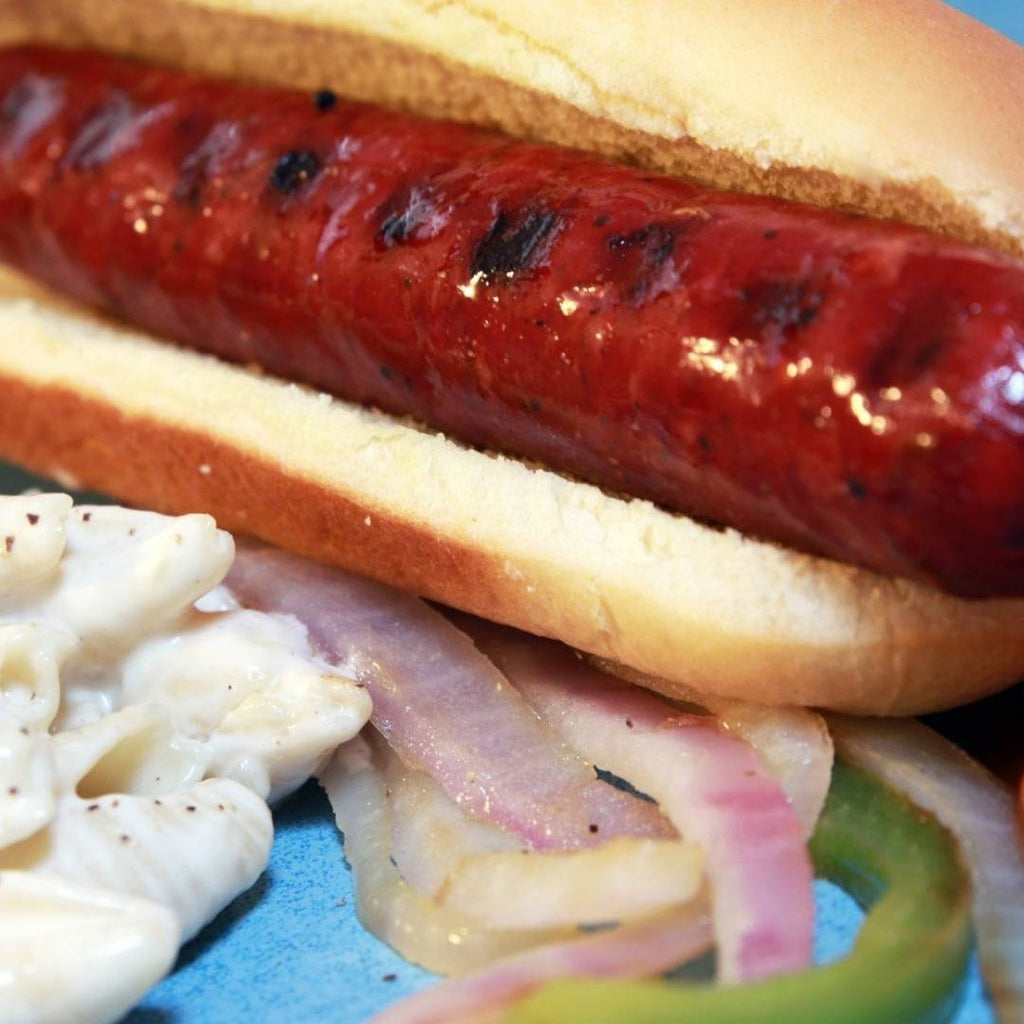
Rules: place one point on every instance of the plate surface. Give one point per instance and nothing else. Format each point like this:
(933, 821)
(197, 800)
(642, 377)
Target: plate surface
(291, 949)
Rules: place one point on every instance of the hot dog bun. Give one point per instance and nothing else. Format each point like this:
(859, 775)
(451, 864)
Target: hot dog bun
(897, 108)
(92, 404)
(619, 579)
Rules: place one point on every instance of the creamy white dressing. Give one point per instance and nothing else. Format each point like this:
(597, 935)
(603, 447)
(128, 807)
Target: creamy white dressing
(144, 721)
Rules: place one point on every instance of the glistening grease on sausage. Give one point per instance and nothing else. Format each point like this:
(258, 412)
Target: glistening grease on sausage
(850, 388)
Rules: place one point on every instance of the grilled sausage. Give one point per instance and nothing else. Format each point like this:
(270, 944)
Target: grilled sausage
(847, 387)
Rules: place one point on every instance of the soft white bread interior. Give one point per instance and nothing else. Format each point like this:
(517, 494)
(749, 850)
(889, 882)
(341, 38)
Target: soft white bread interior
(899, 108)
(89, 403)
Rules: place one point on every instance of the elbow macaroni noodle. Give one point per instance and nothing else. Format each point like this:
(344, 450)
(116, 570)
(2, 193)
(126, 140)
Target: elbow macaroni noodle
(145, 720)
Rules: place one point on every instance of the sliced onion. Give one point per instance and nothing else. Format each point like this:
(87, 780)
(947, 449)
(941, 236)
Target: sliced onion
(631, 951)
(793, 743)
(439, 939)
(794, 746)
(474, 868)
(978, 810)
(430, 836)
(624, 879)
(444, 707)
(710, 784)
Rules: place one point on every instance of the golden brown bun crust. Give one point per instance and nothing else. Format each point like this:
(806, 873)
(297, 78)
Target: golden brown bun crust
(92, 404)
(897, 108)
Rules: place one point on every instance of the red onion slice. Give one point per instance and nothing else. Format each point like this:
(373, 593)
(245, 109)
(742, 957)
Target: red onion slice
(711, 785)
(793, 743)
(631, 951)
(443, 706)
(979, 811)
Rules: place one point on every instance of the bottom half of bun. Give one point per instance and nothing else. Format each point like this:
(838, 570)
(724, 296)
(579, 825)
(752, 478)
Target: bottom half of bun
(94, 405)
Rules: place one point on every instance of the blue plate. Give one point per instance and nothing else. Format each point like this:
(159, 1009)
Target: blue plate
(290, 951)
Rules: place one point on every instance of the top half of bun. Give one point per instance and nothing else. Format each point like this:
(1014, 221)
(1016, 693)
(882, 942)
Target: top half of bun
(898, 108)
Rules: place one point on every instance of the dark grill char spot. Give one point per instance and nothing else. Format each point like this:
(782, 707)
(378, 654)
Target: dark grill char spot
(644, 261)
(917, 341)
(515, 241)
(411, 214)
(16, 99)
(28, 106)
(295, 170)
(214, 148)
(325, 100)
(786, 305)
(103, 134)
(856, 489)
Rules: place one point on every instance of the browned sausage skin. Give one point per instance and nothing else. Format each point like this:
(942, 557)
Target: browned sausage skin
(850, 388)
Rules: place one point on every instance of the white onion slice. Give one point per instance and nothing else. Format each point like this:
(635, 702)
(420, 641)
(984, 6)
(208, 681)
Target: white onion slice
(430, 836)
(622, 880)
(472, 868)
(632, 951)
(979, 811)
(793, 743)
(441, 940)
(443, 706)
(710, 784)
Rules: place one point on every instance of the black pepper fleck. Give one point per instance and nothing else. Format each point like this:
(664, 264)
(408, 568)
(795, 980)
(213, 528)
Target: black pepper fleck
(386, 372)
(629, 723)
(601, 219)
(86, 516)
(856, 489)
(125, 838)
(389, 977)
(770, 234)
(593, 829)
(190, 807)
(32, 518)
(93, 807)
(704, 442)
(295, 170)
(12, 790)
(325, 99)
(8, 544)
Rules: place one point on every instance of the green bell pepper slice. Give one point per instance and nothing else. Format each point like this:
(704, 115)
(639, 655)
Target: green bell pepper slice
(908, 963)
